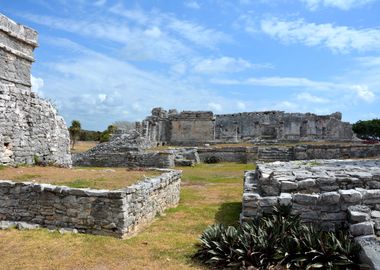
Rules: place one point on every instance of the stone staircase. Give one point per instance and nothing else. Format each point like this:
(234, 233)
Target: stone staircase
(269, 154)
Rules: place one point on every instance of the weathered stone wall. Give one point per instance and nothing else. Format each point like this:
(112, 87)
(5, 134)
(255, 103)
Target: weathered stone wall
(191, 128)
(194, 128)
(30, 128)
(125, 150)
(229, 154)
(119, 213)
(281, 126)
(130, 159)
(319, 191)
(287, 153)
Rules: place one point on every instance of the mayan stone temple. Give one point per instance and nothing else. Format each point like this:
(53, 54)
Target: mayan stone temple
(30, 129)
(195, 127)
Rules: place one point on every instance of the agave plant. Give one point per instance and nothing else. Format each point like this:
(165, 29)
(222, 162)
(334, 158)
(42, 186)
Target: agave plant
(277, 239)
(218, 246)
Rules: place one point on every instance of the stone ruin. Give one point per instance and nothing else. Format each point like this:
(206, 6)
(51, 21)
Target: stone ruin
(334, 194)
(120, 213)
(133, 150)
(30, 129)
(200, 127)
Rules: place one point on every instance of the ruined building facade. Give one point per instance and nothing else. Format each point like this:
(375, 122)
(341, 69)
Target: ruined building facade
(30, 129)
(194, 127)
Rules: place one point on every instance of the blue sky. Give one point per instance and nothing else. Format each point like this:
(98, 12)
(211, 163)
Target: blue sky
(102, 61)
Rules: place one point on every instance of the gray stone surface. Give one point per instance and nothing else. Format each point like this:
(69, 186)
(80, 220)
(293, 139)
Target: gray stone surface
(30, 128)
(362, 229)
(329, 192)
(199, 127)
(370, 251)
(119, 213)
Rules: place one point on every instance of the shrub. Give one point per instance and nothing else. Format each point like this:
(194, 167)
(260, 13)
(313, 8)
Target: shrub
(277, 239)
(369, 130)
(212, 160)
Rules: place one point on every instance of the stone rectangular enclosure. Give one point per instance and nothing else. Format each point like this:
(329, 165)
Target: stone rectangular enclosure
(320, 191)
(119, 213)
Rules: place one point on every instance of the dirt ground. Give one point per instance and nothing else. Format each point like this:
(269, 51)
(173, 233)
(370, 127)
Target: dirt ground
(98, 178)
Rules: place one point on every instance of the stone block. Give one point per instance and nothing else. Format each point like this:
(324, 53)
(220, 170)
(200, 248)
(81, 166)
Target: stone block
(269, 201)
(305, 199)
(360, 208)
(329, 198)
(306, 184)
(287, 186)
(358, 217)
(362, 229)
(285, 199)
(375, 214)
(335, 217)
(350, 196)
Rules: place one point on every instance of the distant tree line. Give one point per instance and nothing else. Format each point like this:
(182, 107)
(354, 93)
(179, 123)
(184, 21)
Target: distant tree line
(79, 134)
(367, 130)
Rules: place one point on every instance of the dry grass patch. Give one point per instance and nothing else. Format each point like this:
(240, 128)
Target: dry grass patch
(83, 146)
(210, 193)
(97, 178)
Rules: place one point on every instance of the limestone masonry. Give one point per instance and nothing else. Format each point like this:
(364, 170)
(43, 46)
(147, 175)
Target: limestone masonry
(196, 127)
(332, 193)
(119, 213)
(328, 192)
(30, 129)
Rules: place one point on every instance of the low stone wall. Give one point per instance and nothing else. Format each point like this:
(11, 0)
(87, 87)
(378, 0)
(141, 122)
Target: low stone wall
(229, 154)
(335, 151)
(288, 153)
(131, 159)
(119, 213)
(320, 191)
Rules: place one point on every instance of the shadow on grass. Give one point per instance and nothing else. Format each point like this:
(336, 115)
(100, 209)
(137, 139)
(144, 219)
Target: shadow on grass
(228, 213)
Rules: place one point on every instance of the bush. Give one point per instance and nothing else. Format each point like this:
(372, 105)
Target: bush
(212, 160)
(368, 130)
(278, 239)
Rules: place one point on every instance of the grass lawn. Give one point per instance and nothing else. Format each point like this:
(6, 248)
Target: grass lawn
(97, 178)
(83, 146)
(210, 193)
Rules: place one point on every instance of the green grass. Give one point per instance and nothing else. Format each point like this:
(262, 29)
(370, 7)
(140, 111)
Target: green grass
(26, 177)
(83, 183)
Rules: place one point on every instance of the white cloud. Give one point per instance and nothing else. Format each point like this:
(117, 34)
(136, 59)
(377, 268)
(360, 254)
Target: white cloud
(100, 3)
(153, 32)
(196, 33)
(145, 36)
(221, 65)
(178, 69)
(364, 93)
(136, 15)
(241, 105)
(360, 91)
(192, 4)
(337, 38)
(215, 106)
(102, 97)
(307, 97)
(98, 89)
(341, 4)
(37, 84)
(286, 106)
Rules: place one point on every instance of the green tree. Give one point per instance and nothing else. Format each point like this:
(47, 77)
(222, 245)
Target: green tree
(369, 129)
(106, 135)
(74, 130)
